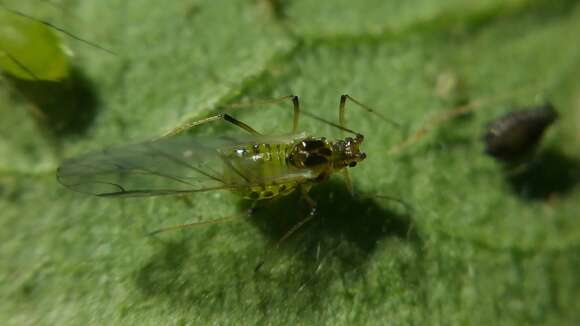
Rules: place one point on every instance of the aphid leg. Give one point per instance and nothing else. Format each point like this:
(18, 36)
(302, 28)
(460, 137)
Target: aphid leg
(295, 107)
(219, 117)
(311, 214)
(348, 181)
(342, 110)
(342, 122)
(227, 219)
(304, 189)
(342, 115)
(230, 119)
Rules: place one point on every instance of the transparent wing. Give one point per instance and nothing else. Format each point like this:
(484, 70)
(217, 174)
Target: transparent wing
(175, 165)
(181, 164)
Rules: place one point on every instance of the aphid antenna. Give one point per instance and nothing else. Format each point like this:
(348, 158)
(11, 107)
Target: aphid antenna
(58, 29)
(227, 219)
(365, 107)
(335, 125)
(297, 108)
(297, 111)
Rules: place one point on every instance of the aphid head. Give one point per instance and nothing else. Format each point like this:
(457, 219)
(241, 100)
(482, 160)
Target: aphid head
(347, 152)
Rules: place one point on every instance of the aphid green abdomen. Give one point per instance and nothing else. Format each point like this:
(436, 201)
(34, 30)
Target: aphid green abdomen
(260, 165)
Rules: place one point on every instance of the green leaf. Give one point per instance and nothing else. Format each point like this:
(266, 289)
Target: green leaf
(475, 245)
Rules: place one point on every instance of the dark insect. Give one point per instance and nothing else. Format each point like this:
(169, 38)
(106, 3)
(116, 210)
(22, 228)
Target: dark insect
(515, 136)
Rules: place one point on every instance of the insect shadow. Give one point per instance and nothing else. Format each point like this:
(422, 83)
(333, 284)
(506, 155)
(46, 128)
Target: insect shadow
(551, 173)
(335, 246)
(63, 108)
(353, 223)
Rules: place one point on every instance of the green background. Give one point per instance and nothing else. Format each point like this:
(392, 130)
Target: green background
(475, 246)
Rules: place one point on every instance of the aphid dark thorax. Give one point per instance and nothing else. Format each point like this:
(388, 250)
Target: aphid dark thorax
(516, 135)
(323, 156)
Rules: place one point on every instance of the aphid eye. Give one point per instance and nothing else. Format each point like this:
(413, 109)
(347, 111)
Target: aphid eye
(363, 156)
(352, 164)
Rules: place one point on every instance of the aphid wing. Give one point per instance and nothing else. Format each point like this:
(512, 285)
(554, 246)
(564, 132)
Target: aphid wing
(168, 166)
